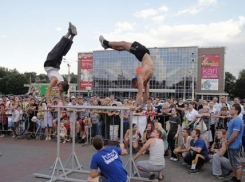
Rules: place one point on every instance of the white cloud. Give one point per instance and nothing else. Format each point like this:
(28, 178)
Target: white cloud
(58, 29)
(3, 36)
(201, 4)
(150, 12)
(123, 27)
(229, 33)
(158, 19)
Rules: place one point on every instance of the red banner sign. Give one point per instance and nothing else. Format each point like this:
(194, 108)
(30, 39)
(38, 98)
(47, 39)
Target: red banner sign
(210, 66)
(86, 71)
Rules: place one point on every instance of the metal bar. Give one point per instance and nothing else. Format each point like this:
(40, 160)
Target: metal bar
(58, 134)
(92, 107)
(121, 132)
(73, 138)
(130, 145)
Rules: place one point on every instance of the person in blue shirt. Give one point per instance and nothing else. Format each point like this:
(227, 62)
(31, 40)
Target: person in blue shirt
(108, 161)
(234, 142)
(198, 154)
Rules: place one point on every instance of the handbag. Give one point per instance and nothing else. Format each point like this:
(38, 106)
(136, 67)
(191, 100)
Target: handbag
(200, 125)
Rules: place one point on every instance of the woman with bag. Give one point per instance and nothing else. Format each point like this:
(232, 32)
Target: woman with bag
(190, 116)
(203, 124)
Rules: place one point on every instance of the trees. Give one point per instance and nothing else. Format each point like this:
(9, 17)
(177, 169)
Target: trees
(13, 83)
(230, 81)
(239, 88)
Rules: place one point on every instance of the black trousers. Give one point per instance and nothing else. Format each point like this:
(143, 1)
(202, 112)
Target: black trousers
(195, 159)
(54, 57)
(171, 142)
(212, 128)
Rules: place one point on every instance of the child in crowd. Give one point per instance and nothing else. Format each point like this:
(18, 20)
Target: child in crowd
(95, 120)
(16, 116)
(63, 132)
(37, 126)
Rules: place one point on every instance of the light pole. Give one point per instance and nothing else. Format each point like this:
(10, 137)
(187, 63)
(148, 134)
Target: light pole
(184, 84)
(192, 71)
(69, 74)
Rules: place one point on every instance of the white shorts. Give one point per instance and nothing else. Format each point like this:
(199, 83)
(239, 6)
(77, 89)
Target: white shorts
(208, 135)
(48, 119)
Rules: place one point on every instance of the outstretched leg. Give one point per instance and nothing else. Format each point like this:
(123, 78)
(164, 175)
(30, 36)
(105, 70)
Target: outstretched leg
(119, 46)
(54, 57)
(134, 48)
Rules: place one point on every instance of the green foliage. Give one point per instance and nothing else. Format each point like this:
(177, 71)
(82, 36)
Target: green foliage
(31, 76)
(13, 83)
(230, 81)
(239, 88)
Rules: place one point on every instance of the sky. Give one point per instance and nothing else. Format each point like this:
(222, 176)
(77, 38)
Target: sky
(29, 29)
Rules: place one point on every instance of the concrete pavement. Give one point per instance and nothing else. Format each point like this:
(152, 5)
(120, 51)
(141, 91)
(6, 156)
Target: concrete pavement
(21, 158)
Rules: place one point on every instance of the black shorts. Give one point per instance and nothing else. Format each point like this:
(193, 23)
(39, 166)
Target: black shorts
(102, 179)
(139, 50)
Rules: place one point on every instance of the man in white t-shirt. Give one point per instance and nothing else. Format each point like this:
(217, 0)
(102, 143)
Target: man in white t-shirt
(53, 61)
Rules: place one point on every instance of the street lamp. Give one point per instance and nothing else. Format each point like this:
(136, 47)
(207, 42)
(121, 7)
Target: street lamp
(69, 74)
(192, 71)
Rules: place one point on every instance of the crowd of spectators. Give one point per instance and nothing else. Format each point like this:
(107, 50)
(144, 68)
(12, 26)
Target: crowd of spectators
(193, 132)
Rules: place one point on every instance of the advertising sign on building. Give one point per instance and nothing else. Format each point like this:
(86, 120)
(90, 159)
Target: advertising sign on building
(86, 76)
(209, 72)
(40, 90)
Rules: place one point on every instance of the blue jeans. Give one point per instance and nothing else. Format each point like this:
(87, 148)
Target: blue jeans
(95, 129)
(106, 126)
(125, 127)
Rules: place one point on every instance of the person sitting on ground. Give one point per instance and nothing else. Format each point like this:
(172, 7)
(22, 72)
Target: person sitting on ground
(86, 123)
(136, 137)
(156, 162)
(158, 126)
(147, 67)
(63, 132)
(108, 161)
(221, 166)
(150, 113)
(184, 146)
(198, 154)
(53, 61)
(147, 132)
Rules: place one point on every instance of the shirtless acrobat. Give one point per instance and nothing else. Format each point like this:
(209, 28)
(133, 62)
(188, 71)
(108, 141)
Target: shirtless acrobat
(147, 67)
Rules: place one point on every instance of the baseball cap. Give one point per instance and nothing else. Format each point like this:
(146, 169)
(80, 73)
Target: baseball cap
(73, 97)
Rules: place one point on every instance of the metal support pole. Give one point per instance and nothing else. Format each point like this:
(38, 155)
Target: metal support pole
(121, 129)
(192, 67)
(184, 89)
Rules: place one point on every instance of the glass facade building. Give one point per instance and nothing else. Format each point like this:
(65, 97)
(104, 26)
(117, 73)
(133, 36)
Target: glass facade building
(174, 70)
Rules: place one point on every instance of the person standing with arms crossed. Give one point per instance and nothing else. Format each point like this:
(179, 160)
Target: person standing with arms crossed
(234, 142)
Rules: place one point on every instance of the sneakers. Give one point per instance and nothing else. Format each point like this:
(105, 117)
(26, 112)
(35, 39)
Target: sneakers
(193, 171)
(217, 176)
(72, 29)
(175, 159)
(228, 174)
(102, 39)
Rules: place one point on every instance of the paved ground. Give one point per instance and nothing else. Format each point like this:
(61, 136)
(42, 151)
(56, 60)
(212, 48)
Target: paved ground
(21, 158)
